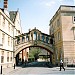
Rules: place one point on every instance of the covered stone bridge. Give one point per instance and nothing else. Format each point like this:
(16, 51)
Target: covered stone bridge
(34, 38)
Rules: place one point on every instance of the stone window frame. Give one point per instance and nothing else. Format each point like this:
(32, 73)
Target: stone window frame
(7, 56)
(8, 40)
(11, 56)
(11, 41)
(2, 56)
(3, 22)
(58, 22)
(43, 38)
(9, 26)
(59, 36)
(23, 38)
(73, 19)
(3, 38)
(35, 35)
(38, 36)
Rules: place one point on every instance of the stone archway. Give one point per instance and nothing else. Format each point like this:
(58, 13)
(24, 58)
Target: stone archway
(33, 38)
(23, 60)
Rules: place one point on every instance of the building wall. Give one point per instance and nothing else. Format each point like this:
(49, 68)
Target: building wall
(6, 39)
(68, 39)
(17, 23)
(67, 24)
(56, 30)
(61, 27)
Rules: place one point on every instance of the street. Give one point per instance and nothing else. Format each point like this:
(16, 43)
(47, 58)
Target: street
(40, 70)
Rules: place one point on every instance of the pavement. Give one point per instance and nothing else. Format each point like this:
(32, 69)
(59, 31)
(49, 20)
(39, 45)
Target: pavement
(11, 69)
(67, 68)
(8, 70)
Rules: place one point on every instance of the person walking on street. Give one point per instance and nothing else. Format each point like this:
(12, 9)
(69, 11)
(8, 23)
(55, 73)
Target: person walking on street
(61, 65)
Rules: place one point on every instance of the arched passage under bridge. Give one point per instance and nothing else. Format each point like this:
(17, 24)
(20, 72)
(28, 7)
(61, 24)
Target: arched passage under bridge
(33, 38)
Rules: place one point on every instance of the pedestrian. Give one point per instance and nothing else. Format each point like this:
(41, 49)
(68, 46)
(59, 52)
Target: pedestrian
(61, 65)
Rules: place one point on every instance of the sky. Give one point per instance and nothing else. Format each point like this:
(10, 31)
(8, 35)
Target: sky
(36, 13)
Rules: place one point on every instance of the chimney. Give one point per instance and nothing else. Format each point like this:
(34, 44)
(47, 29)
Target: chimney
(5, 7)
(5, 4)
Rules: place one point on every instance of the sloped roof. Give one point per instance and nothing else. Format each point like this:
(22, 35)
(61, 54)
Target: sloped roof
(13, 15)
(2, 9)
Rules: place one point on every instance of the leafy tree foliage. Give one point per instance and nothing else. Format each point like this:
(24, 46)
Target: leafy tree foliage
(34, 52)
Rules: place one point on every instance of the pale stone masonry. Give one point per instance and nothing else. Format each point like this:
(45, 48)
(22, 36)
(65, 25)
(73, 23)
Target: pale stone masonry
(62, 26)
(8, 30)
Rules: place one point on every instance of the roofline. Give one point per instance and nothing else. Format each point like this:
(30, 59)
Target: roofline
(23, 34)
(3, 13)
(58, 10)
(16, 14)
(67, 6)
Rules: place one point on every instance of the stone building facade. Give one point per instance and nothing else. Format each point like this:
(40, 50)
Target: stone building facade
(10, 26)
(62, 27)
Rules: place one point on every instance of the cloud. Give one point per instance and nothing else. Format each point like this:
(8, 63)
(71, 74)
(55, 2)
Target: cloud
(60, 0)
(48, 3)
(74, 2)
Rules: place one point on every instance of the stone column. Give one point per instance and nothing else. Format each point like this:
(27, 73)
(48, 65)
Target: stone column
(32, 36)
(28, 37)
(27, 52)
(24, 55)
(20, 40)
(40, 36)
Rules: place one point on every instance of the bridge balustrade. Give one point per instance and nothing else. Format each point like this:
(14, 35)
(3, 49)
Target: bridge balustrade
(22, 40)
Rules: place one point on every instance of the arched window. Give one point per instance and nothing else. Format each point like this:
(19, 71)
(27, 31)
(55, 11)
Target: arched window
(18, 40)
(35, 36)
(38, 36)
(27, 38)
(43, 38)
(2, 56)
(23, 38)
(47, 39)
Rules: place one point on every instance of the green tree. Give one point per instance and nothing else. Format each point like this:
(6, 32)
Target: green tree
(34, 52)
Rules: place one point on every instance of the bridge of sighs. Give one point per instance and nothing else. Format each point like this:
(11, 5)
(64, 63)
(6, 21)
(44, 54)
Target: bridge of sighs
(34, 38)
